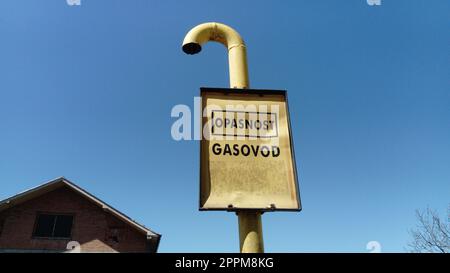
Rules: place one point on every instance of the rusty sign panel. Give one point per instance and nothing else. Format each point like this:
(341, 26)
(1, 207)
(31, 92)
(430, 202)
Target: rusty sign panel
(246, 152)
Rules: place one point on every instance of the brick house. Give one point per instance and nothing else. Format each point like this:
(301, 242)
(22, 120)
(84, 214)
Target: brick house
(59, 215)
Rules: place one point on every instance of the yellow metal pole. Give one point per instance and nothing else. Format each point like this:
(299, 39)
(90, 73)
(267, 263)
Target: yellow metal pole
(250, 232)
(250, 224)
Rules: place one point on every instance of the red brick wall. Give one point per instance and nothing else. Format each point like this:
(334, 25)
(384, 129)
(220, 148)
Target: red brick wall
(92, 226)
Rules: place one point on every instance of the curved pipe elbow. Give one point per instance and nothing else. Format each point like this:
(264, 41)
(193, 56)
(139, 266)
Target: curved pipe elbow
(237, 56)
(203, 33)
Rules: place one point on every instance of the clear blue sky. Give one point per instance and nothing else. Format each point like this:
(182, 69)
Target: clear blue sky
(86, 93)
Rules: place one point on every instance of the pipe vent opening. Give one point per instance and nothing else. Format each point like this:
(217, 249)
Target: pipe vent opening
(192, 48)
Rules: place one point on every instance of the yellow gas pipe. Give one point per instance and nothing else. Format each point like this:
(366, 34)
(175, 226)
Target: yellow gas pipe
(250, 225)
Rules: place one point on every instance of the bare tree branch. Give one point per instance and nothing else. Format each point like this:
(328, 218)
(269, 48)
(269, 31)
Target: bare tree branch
(431, 233)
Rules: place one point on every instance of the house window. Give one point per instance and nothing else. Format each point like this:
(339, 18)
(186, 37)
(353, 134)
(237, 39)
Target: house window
(2, 223)
(53, 226)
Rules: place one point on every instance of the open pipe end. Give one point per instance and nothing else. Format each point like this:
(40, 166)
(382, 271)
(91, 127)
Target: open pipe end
(192, 48)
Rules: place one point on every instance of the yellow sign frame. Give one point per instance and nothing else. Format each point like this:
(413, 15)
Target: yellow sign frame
(222, 190)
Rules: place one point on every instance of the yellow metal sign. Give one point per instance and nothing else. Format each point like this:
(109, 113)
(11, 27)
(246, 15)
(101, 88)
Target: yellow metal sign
(246, 153)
